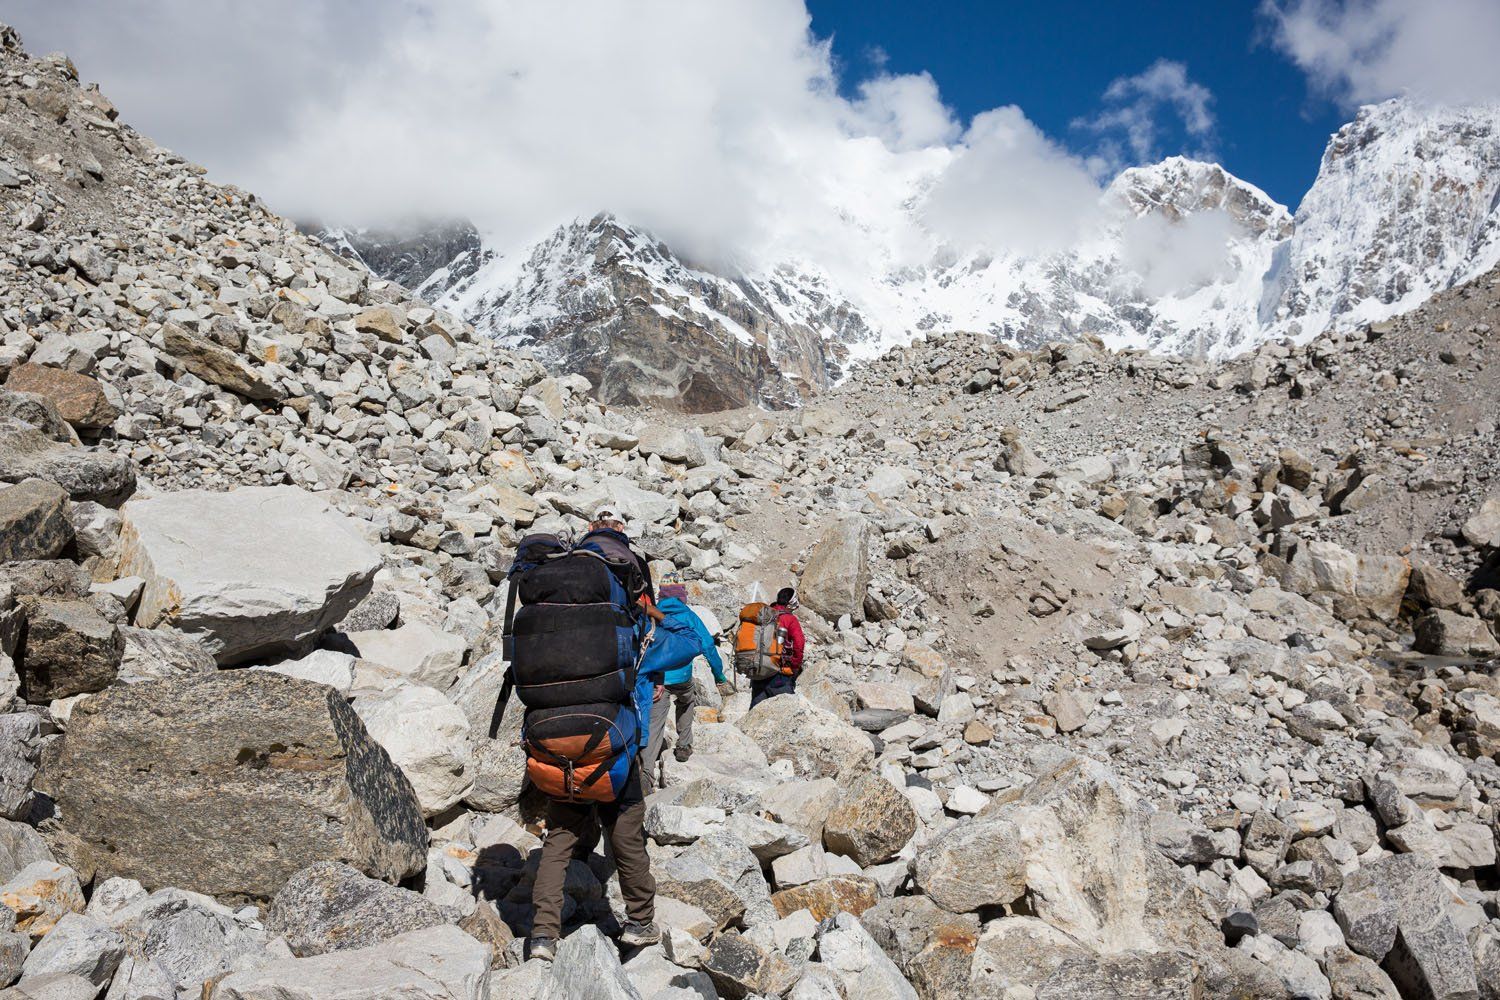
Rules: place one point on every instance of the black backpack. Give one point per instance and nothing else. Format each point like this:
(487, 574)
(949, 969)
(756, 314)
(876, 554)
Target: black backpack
(574, 645)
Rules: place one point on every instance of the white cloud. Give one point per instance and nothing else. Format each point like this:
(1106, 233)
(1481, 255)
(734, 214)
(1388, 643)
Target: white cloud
(1359, 51)
(718, 126)
(1010, 187)
(1130, 123)
(1178, 256)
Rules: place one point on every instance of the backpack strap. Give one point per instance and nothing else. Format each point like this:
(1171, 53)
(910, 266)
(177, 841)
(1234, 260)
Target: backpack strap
(506, 687)
(507, 637)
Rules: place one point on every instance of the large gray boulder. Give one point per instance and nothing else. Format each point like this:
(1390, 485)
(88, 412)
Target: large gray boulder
(86, 473)
(227, 784)
(70, 649)
(871, 822)
(837, 573)
(588, 968)
(817, 742)
(256, 572)
(438, 963)
(33, 520)
(329, 906)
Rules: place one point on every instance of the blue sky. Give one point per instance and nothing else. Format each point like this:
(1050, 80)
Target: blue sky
(1055, 60)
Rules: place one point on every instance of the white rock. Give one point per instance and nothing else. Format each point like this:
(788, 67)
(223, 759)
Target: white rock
(416, 650)
(428, 738)
(254, 572)
(322, 666)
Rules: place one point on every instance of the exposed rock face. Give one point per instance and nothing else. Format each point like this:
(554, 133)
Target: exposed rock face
(287, 567)
(236, 781)
(817, 742)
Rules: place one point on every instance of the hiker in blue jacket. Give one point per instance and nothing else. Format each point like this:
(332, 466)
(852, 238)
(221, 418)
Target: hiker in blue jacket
(675, 682)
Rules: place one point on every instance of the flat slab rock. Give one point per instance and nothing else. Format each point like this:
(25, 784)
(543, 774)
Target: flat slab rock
(227, 784)
(253, 573)
(439, 963)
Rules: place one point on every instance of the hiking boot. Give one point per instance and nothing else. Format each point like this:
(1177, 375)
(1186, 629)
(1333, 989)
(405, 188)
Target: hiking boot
(638, 935)
(544, 948)
(682, 754)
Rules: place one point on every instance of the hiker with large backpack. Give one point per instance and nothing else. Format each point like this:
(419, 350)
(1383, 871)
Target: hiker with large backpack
(575, 644)
(681, 639)
(769, 646)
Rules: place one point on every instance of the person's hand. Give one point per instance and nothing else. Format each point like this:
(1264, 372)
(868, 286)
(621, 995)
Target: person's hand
(658, 693)
(654, 613)
(725, 689)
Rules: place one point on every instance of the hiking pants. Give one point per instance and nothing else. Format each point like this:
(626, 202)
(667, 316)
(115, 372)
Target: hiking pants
(771, 687)
(655, 741)
(686, 698)
(570, 823)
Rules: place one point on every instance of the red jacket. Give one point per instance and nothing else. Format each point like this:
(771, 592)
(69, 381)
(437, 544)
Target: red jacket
(792, 648)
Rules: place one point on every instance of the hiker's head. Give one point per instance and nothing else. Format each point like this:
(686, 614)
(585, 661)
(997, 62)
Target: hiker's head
(672, 585)
(787, 598)
(608, 518)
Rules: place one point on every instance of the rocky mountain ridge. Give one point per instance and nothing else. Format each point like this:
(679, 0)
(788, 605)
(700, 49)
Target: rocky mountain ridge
(1401, 209)
(259, 509)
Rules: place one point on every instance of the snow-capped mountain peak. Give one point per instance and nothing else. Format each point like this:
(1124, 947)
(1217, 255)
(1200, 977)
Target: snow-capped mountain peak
(1185, 259)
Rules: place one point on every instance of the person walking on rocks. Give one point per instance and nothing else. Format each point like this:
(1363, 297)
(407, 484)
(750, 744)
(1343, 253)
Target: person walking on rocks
(575, 646)
(769, 646)
(690, 639)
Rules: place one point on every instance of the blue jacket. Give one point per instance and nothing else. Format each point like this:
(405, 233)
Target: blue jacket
(707, 648)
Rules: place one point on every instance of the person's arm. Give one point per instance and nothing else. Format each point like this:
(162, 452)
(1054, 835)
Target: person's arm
(708, 647)
(794, 636)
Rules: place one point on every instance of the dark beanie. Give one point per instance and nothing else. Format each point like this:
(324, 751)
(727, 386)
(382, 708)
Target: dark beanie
(785, 595)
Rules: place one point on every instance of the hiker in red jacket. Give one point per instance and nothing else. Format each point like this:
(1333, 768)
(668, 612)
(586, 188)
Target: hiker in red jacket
(792, 646)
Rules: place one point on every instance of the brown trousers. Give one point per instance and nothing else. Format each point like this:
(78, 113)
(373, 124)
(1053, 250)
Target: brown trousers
(570, 825)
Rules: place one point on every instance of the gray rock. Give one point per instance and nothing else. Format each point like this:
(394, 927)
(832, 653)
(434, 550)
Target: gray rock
(159, 653)
(33, 520)
(20, 742)
(39, 412)
(864, 968)
(741, 968)
(236, 781)
(290, 568)
(183, 939)
(1355, 977)
(975, 864)
(817, 742)
(329, 906)
(837, 572)
(588, 968)
(57, 986)
(20, 846)
(70, 649)
(379, 610)
(1447, 633)
(870, 822)
(439, 963)
(79, 946)
(216, 365)
(1395, 910)
(86, 473)
(935, 949)
(1130, 975)
(40, 895)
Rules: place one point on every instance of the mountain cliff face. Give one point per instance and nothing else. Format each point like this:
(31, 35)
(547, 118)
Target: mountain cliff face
(1406, 204)
(1187, 260)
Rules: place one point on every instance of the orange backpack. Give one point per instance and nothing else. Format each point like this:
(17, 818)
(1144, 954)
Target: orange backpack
(757, 643)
